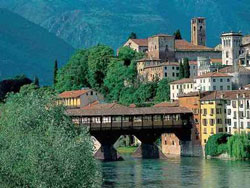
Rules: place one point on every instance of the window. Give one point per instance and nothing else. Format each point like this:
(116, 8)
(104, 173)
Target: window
(166, 74)
(219, 121)
(221, 87)
(173, 74)
(173, 87)
(205, 112)
(211, 122)
(241, 115)
(228, 80)
(228, 87)
(248, 125)
(235, 125)
(229, 112)
(91, 93)
(166, 68)
(241, 125)
(214, 88)
(212, 111)
(234, 104)
(172, 68)
(204, 122)
(205, 130)
(220, 130)
(221, 80)
(229, 122)
(177, 74)
(177, 68)
(235, 116)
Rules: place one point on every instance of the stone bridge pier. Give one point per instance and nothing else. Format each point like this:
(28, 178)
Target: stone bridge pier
(148, 148)
(107, 152)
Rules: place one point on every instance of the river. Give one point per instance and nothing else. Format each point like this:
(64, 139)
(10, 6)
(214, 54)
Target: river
(176, 172)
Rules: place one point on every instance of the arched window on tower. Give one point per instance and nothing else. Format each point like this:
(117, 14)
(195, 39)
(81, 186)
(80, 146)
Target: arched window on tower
(166, 48)
(227, 54)
(194, 28)
(200, 28)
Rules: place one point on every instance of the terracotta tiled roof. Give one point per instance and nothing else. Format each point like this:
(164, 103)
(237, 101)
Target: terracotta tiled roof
(73, 94)
(227, 95)
(90, 106)
(141, 42)
(127, 111)
(98, 106)
(230, 69)
(216, 60)
(183, 45)
(214, 74)
(196, 93)
(167, 104)
(192, 62)
(184, 80)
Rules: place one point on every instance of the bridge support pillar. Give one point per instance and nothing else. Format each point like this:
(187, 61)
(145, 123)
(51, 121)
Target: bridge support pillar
(148, 149)
(107, 152)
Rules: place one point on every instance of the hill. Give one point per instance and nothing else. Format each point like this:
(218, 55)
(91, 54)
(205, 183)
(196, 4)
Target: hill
(83, 23)
(27, 48)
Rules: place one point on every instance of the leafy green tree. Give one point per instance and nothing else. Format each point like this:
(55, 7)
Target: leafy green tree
(41, 147)
(145, 93)
(239, 146)
(13, 85)
(132, 35)
(99, 58)
(177, 34)
(181, 72)
(74, 74)
(163, 91)
(186, 68)
(127, 55)
(36, 81)
(55, 71)
(214, 144)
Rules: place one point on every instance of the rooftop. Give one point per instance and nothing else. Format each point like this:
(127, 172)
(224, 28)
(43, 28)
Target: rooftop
(141, 42)
(73, 94)
(118, 110)
(184, 80)
(227, 95)
(183, 45)
(162, 35)
(167, 104)
(214, 74)
(230, 69)
(231, 34)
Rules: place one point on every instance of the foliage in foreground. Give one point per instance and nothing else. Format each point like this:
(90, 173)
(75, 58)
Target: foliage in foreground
(40, 146)
(216, 144)
(239, 146)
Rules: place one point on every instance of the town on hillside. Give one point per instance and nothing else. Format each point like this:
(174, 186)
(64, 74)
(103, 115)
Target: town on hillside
(213, 84)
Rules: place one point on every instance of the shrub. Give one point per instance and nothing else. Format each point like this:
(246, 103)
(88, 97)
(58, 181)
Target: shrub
(239, 146)
(213, 147)
(41, 147)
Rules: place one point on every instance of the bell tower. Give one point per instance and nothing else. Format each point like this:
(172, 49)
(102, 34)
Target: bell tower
(198, 31)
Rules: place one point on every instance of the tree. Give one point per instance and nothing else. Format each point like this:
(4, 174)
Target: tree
(132, 36)
(74, 74)
(181, 72)
(99, 58)
(55, 71)
(41, 147)
(186, 68)
(13, 85)
(163, 91)
(177, 34)
(127, 55)
(36, 81)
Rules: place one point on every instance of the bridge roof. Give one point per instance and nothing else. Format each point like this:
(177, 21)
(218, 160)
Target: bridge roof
(128, 111)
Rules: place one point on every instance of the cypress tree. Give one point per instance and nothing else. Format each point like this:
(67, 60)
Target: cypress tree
(177, 35)
(186, 68)
(132, 36)
(36, 81)
(55, 71)
(181, 73)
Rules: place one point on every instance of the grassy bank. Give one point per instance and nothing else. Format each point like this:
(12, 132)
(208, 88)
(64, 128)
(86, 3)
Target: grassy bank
(126, 150)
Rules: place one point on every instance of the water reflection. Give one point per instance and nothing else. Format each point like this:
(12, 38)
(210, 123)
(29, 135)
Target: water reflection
(176, 172)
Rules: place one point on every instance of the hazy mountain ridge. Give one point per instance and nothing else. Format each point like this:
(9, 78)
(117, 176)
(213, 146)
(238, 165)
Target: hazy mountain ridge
(26, 48)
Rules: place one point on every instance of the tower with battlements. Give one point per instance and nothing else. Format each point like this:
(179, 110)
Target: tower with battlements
(198, 31)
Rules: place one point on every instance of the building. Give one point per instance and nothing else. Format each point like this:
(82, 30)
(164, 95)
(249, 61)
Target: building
(213, 81)
(139, 45)
(231, 47)
(213, 116)
(198, 31)
(183, 86)
(155, 70)
(193, 68)
(240, 75)
(79, 98)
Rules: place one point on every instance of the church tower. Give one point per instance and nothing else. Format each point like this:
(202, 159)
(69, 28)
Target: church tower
(198, 31)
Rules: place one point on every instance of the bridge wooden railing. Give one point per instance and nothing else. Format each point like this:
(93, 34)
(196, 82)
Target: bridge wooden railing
(131, 122)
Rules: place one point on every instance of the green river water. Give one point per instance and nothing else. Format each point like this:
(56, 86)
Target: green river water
(176, 172)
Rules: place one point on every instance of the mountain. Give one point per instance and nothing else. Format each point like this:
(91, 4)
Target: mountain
(27, 48)
(83, 23)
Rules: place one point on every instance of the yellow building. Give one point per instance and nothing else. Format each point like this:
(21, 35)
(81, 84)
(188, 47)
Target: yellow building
(79, 98)
(213, 116)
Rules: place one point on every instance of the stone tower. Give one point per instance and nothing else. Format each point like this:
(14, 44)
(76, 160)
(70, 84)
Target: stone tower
(198, 31)
(231, 47)
(161, 47)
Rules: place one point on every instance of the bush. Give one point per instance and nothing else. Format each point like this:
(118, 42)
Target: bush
(216, 144)
(239, 146)
(40, 146)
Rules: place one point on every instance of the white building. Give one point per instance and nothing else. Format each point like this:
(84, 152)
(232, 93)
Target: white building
(182, 86)
(231, 47)
(237, 111)
(213, 81)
